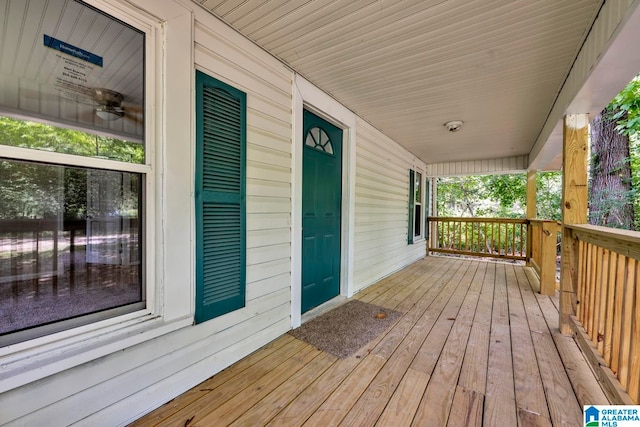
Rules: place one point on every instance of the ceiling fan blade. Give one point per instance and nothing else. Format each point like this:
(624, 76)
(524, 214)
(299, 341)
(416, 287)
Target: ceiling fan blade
(134, 116)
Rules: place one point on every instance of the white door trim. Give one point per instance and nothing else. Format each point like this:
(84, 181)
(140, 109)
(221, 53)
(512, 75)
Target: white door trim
(306, 95)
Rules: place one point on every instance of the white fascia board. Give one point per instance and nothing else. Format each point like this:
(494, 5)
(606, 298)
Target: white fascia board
(612, 69)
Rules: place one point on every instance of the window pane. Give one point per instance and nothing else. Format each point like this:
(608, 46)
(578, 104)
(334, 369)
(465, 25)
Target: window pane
(27, 134)
(417, 187)
(70, 243)
(417, 227)
(68, 64)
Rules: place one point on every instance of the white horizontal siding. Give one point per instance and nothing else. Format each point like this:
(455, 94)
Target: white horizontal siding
(105, 391)
(381, 207)
(478, 167)
(91, 388)
(229, 57)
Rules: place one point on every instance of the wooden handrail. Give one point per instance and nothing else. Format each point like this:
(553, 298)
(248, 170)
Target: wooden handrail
(478, 219)
(483, 237)
(623, 242)
(604, 270)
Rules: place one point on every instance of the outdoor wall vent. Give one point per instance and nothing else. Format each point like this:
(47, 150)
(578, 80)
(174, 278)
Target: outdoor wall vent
(454, 125)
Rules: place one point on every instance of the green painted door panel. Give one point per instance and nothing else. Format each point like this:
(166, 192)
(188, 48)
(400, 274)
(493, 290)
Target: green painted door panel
(321, 206)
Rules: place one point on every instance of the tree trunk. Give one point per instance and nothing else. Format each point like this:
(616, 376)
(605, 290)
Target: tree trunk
(610, 196)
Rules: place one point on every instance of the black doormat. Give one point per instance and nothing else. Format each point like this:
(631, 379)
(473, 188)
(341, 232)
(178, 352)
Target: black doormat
(344, 330)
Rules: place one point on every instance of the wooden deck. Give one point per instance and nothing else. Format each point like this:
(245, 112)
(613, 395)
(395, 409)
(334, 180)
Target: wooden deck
(475, 346)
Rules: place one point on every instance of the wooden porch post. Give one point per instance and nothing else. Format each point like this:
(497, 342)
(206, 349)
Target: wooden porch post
(531, 208)
(531, 194)
(574, 208)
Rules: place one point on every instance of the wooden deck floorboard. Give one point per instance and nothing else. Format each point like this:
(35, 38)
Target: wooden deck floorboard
(476, 345)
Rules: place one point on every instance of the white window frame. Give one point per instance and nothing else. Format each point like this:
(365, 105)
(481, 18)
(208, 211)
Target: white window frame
(417, 203)
(418, 237)
(38, 358)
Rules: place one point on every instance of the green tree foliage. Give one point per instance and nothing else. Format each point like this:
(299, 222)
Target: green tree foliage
(460, 196)
(36, 190)
(509, 190)
(498, 196)
(549, 195)
(627, 106)
(40, 136)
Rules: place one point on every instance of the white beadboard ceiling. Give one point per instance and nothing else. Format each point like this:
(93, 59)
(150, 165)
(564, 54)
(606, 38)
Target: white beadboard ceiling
(409, 66)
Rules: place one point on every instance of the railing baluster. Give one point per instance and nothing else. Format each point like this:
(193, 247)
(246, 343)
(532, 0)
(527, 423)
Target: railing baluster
(617, 319)
(603, 285)
(627, 315)
(611, 295)
(485, 248)
(634, 373)
(608, 291)
(498, 238)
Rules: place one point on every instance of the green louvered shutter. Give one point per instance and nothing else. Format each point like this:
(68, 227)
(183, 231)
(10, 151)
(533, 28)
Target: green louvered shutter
(220, 198)
(412, 198)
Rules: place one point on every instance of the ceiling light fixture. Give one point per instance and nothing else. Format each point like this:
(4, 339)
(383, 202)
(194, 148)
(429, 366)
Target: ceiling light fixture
(454, 125)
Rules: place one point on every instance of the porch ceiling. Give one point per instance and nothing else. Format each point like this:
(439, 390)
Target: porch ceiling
(409, 66)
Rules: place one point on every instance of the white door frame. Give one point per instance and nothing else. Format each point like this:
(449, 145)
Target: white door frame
(307, 96)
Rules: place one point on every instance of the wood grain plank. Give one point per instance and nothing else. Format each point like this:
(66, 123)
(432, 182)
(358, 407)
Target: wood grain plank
(439, 320)
(433, 301)
(385, 288)
(267, 408)
(336, 407)
(466, 410)
(500, 402)
(531, 419)
(473, 375)
(234, 385)
(227, 412)
(585, 385)
(411, 288)
(439, 395)
(465, 333)
(212, 383)
(528, 383)
(562, 402)
(403, 404)
(371, 404)
(309, 400)
(429, 286)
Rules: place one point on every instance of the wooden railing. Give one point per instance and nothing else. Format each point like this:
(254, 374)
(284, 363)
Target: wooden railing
(543, 239)
(603, 269)
(485, 237)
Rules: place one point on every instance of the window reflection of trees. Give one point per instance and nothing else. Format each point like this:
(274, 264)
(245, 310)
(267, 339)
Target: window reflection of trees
(69, 238)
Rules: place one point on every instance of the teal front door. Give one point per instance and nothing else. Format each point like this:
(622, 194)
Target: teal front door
(321, 205)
